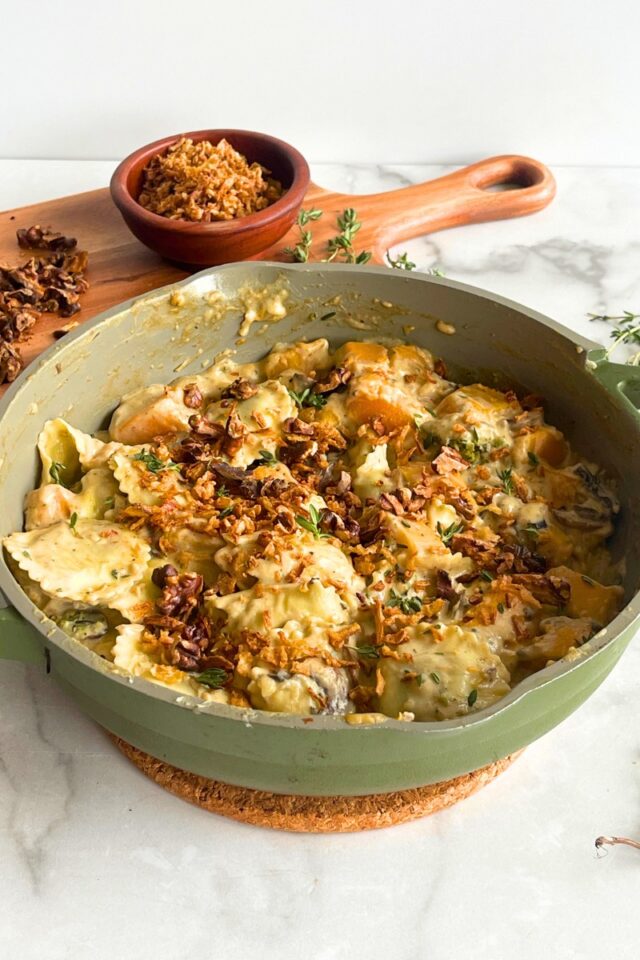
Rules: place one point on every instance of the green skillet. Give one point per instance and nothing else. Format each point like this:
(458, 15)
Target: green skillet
(147, 340)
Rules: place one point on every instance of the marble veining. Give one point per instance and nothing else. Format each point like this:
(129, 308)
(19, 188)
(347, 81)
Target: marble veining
(97, 862)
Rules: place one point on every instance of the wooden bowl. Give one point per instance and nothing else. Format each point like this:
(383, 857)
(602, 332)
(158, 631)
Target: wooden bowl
(209, 244)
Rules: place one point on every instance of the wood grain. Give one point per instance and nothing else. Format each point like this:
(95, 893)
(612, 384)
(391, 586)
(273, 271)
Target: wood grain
(120, 267)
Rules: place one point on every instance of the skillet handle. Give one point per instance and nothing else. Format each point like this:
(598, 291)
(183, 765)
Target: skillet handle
(623, 380)
(18, 639)
(458, 198)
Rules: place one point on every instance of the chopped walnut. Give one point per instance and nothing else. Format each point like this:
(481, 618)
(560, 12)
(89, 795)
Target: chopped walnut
(444, 587)
(10, 362)
(39, 285)
(192, 396)
(234, 427)
(402, 501)
(298, 426)
(449, 461)
(546, 588)
(240, 389)
(37, 238)
(182, 628)
(337, 377)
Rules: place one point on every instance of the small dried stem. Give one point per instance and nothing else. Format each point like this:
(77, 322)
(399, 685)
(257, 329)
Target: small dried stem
(613, 841)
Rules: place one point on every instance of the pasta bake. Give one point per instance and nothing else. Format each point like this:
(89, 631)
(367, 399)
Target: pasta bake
(326, 531)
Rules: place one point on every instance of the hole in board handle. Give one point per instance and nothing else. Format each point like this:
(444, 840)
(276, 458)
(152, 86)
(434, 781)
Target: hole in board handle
(511, 177)
(502, 187)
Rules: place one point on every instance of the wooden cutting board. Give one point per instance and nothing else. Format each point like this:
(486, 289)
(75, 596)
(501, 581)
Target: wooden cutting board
(120, 267)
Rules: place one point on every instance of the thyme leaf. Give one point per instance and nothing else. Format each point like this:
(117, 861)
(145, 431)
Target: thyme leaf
(214, 677)
(404, 602)
(306, 398)
(55, 471)
(367, 651)
(153, 463)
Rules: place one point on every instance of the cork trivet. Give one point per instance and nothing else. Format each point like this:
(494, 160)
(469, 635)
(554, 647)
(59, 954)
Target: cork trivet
(311, 814)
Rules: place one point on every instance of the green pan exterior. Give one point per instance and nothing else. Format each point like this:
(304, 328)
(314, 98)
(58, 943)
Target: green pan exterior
(84, 376)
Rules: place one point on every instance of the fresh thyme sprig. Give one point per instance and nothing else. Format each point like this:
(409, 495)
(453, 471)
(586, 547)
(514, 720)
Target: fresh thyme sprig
(312, 522)
(342, 244)
(401, 262)
(301, 251)
(626, 331)
(506, 480)
(448, 533)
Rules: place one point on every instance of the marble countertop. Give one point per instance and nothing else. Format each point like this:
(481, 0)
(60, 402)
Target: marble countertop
(97, 862)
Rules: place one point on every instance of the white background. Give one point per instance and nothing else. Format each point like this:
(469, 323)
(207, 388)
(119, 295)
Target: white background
(356, 81)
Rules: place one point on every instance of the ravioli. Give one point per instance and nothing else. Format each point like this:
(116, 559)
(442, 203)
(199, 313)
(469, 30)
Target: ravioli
(448, 666)
(260, 418)
(66, 452)
(138, 483)
(95, 497)
(135, 657)
(93, 562)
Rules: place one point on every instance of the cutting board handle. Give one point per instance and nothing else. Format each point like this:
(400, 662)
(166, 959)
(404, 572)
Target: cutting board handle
(464, 196)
